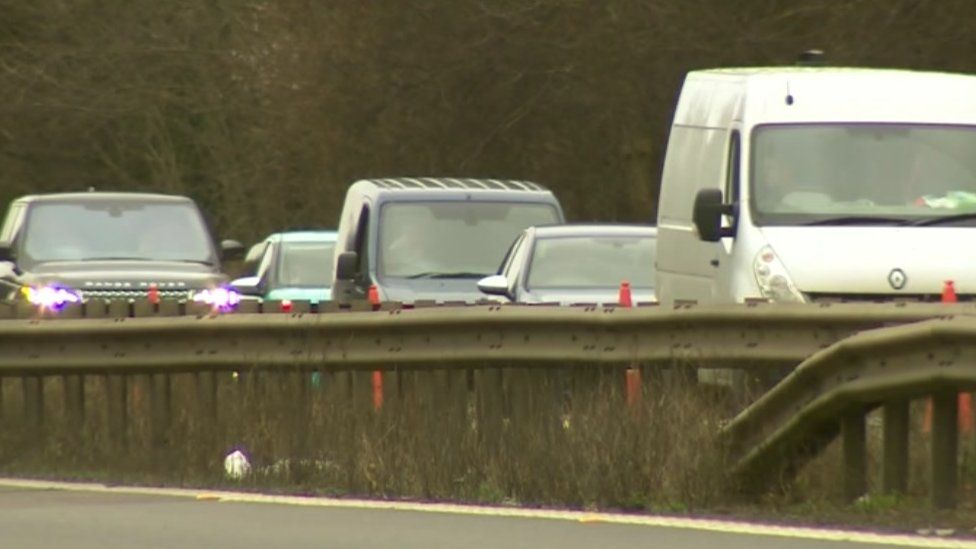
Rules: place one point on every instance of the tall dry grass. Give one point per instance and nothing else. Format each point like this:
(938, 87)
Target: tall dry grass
(562, 436)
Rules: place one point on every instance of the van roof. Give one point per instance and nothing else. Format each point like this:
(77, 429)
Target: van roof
(452, 183)
(756, 95)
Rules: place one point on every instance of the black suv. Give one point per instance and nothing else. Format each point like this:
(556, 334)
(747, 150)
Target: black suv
(101, 245)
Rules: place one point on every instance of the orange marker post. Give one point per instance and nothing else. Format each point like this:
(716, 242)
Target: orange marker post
(965, 399)
(377, 390)
(632, 377)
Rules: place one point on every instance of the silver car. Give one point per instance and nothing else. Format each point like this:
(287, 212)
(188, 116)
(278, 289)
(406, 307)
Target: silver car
(577, 263)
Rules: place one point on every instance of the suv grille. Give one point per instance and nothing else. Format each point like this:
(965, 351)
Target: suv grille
(133, 294)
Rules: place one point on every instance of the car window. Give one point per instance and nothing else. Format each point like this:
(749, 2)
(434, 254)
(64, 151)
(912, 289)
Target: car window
(305, 264)
(265, 264)
(511, 255)
(12, 222)
(592, 262)
(116, 230)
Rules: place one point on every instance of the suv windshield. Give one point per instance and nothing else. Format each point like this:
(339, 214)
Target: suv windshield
(863, 174)
(89, 231)
(305, 264)
(452, 239)
(592, 262)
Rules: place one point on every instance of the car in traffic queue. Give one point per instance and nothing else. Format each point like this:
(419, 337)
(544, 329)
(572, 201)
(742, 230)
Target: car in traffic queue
(290, 266)
(411, 239)
(577, 263)
(62, 248)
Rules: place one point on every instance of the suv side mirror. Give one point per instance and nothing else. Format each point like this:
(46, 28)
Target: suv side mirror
(347, 266)
(707, 215)
(231, 249)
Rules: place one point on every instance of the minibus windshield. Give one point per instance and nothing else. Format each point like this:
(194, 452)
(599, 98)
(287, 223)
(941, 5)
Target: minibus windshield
(863, 174)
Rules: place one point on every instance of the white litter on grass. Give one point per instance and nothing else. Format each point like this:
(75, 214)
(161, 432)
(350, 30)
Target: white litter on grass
(236, 465)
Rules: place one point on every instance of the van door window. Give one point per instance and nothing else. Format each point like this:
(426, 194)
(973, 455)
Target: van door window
(362, 246)
(732, 175)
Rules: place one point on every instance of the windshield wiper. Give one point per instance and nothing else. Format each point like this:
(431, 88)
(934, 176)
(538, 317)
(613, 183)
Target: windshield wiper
(943, 219)
(134, 258)
(859, 220)
(115, 258)
(436, 275)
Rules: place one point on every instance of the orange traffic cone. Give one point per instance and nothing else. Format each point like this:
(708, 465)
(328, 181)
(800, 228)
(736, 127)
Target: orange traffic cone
(949, 292)
(623, 297)
(373, 295)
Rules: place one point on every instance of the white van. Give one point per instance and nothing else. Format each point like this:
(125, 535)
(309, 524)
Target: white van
(803, 184)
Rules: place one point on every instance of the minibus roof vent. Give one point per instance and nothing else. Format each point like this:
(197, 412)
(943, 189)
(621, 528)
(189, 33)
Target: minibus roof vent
(811, 58)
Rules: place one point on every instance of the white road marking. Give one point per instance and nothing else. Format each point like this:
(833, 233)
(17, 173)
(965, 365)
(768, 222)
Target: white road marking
(706, 525)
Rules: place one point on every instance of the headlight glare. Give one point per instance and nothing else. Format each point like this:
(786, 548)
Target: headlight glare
(50, 297)
(221, 298)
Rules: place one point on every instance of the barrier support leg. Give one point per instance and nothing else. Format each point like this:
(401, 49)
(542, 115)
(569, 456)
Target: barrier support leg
(945, 446)
(895, 474)
(855, 454)
(34, 404)
(116, 402)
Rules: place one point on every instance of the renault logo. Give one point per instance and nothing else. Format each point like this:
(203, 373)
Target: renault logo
(897, 278)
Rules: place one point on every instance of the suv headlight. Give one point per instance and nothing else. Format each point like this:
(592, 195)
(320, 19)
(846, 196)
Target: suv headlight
(50, 297)
(221, 298)
(774, 281)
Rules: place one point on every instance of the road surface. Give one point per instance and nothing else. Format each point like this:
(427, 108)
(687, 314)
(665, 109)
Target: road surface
(50, 515)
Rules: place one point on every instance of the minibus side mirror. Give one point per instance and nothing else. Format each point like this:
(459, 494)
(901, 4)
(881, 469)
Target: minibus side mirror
(347, 266)
(6, 251)
(707, 215)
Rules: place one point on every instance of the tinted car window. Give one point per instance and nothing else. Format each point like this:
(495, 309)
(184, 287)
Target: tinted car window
(452, 238)
(592, 262)
(115, 230)
(305, 264)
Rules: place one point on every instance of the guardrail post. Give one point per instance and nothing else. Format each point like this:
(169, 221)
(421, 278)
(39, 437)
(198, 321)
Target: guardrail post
(895, 466)
(118, 410)
(855, 454)
(74, 404)
(945, 446)
(159, 405)
(34, 404)
(207, 394)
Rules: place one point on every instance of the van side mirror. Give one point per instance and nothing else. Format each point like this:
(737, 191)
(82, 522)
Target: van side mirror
(6, 251)
(347, 266)
(707, 215)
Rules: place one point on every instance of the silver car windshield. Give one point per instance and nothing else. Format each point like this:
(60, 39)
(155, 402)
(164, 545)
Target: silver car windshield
(305, 264)
(862, 173)
(115, 230)
(452, 239)
(592, 262)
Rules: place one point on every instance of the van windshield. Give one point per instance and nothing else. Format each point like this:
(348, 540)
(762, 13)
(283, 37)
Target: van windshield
(113, 229)
(850, 174)
(452, 239)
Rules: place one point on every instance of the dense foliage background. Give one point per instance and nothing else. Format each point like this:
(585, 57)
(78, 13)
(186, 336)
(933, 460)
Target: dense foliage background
(265, 110)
